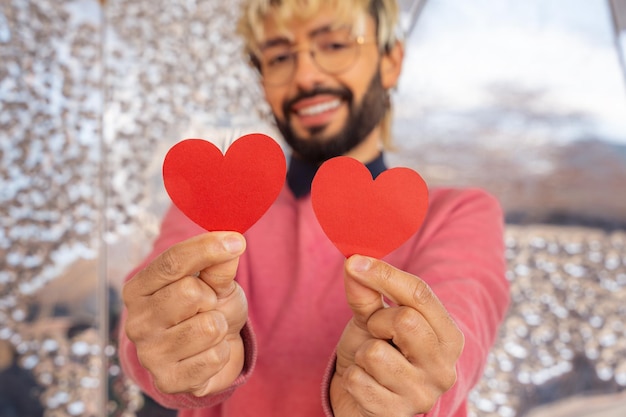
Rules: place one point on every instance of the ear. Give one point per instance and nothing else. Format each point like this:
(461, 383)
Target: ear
(391, 65)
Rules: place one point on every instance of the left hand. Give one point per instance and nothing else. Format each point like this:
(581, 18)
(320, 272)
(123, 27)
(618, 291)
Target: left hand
(392, 361)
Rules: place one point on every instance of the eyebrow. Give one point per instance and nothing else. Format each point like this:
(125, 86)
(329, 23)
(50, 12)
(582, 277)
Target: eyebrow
(284, 40)
(277, 41)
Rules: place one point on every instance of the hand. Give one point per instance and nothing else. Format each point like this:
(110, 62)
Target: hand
(392, 361)
(185, 314)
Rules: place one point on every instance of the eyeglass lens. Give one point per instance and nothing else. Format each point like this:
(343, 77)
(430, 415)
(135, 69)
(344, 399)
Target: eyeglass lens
(333, 51)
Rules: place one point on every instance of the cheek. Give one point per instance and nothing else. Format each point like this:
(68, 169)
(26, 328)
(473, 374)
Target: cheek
(358, 83)
(275, 100)
(359, 78)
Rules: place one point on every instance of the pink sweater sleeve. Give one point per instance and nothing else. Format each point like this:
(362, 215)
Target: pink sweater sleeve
(461, 256)
(460, 252)
(176, 228)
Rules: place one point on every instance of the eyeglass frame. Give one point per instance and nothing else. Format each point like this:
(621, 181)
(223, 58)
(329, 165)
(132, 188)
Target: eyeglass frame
(357, 41)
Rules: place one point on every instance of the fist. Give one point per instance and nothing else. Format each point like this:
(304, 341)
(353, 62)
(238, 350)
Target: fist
(185, 312)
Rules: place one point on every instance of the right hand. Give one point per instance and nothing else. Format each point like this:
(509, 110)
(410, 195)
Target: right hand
(185, 314)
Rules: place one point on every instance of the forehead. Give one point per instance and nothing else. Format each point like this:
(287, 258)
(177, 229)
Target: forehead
(295, 24)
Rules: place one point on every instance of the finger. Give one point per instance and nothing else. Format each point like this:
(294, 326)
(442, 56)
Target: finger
(407, 329)
(189, 296)
(413, 335)
(184, 340)
(221, 278)
(403, 289)
(193, 373)
(416, 340)
(186, 258)
(387, 366)
(363, 300)
(180, 300)
(197, 334)
(372, 398)
(384, 383)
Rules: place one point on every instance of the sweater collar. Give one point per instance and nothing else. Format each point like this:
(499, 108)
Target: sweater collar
(301, 173)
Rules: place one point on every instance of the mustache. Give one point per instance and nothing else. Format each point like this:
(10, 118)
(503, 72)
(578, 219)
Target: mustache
(342, 93)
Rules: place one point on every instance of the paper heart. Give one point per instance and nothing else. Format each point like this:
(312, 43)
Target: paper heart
(225, 192)
(366, 216)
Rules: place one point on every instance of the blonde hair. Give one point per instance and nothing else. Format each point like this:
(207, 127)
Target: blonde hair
(384, 13)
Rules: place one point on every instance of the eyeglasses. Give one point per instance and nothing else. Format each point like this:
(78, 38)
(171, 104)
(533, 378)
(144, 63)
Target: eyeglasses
(333, 51)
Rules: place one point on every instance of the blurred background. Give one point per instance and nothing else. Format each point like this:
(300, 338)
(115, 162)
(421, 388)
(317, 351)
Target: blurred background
(526, 99)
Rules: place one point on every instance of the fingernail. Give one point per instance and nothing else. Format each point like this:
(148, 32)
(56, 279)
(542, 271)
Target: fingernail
(360, 263)
(233, 243)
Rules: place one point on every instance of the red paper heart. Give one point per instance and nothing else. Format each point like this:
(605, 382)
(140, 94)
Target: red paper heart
(360, 215)
(225, 192)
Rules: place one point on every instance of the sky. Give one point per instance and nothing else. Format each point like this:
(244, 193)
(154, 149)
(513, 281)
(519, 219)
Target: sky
(566, 47)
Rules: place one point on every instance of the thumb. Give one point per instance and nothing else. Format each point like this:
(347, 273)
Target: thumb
(221, 276)
(363, 300)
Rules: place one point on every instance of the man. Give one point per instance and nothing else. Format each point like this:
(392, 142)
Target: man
(278, 323)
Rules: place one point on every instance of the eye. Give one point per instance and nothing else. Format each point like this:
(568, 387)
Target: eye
(334, 46)
(277, 59)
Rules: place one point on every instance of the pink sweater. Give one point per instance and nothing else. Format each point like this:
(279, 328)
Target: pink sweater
(292, 276)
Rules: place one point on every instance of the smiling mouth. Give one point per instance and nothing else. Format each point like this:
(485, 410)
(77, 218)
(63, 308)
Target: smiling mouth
(319, 108)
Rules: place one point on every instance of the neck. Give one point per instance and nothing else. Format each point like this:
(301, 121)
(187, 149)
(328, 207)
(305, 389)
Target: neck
(369, 149)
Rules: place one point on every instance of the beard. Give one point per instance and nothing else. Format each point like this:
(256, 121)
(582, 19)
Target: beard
(363, 117)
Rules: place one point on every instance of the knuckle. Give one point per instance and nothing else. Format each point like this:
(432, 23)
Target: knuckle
(444, 374)
(421, 293)
(188, 291)
(161, 296)
(453, 341)
(151, 361)
(375, 351)
(218, 355)
(131, 330)
(447, 379)
(136, 329)
(212, 325)
(424, 399)
(428, 402)
(385, 272)
(427, 396)
(208, 363)
(407, 320)
(183, 335)
(165, 382)
(168, 264)
(130, 292)
(352, 376)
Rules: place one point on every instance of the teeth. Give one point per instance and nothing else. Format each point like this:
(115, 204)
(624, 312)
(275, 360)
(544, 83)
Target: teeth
(320, 108)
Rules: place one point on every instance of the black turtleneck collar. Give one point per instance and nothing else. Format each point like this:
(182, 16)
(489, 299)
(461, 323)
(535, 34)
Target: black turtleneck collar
(300, 174)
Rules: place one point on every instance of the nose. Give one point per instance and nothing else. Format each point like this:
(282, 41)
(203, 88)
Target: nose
(307, 74)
